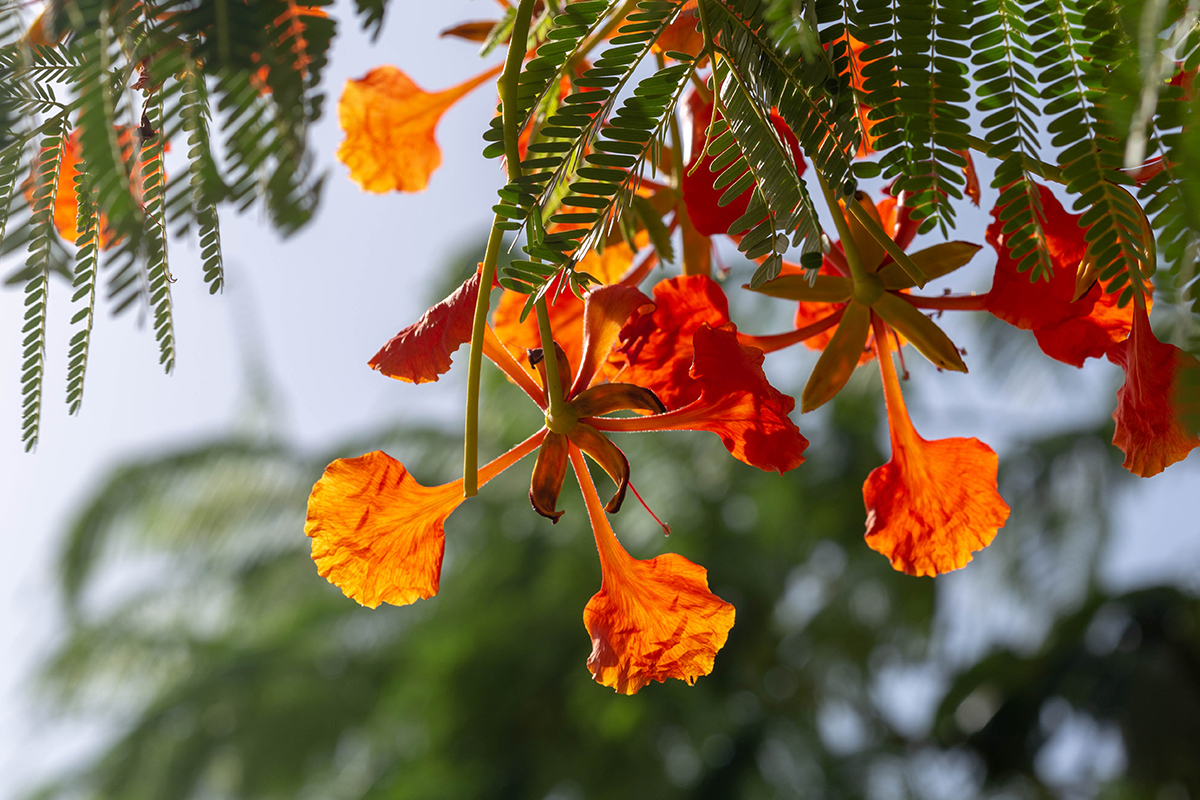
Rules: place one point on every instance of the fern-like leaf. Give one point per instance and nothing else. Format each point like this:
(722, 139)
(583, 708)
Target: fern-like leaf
(37, 285)
(86, 264)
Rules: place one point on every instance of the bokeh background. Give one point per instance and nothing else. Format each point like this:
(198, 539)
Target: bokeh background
(165, 635)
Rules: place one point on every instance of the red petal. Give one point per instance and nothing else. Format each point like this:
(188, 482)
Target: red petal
(1070, 331)
(1148, 430)
(707, 215)
(655, 350)
(935, 502)
(421, 352)
(736, 402)
(378, 534)
(651, 620)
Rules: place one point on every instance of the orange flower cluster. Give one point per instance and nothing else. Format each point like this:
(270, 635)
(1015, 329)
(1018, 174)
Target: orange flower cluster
(629, 362)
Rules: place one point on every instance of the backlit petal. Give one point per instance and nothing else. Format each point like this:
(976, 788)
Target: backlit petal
(736, 402)
(605, 311)
(1066, 330)
(421, 352)
(935, 502)
(377, 534)
(1148, 431)
(655, 350)
(651, 620)
(389, 123)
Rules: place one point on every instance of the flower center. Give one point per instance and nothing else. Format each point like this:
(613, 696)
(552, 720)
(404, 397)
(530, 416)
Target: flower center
(867, 288)
(562, 419)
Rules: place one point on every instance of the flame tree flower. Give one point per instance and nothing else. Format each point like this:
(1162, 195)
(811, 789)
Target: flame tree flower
(935, 502)
(379, 535)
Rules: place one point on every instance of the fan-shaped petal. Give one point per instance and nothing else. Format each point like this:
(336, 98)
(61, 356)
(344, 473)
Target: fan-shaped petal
(651, 620)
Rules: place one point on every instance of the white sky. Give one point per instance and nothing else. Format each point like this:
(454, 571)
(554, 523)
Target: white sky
(317, 307)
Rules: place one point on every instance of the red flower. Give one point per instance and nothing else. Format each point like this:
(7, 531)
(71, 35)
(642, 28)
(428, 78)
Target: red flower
(935, 502)
(1148, 430)
(1067, 330)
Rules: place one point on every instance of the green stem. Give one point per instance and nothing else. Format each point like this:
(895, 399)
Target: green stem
(880, 235)
(475, 362)
(858, 273)
(1040, 168)
(512, 154)
(554, 393)
(508, 86)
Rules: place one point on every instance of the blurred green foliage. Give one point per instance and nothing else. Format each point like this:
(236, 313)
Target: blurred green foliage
(225, 667)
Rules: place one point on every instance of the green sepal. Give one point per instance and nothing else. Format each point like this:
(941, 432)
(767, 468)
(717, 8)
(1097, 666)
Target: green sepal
(936, 261)
(839, 359)
(920, 330)
(825, 289)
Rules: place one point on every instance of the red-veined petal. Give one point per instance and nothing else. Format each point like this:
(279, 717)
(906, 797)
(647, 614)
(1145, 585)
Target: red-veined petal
(655, 350)
(377, 534)
(651, 620)
(421, 352)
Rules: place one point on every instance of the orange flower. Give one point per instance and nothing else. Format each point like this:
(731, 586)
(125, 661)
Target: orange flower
(389, 123)
(935, 502)
(704, 210)
(1148, 430)
(651, 620)
(377, 534)
(1067, 330)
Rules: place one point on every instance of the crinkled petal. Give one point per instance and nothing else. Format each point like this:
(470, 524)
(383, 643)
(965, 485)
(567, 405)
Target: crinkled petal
(651, 620)
(421, 352)
(377, 534)
(1148, 430)
(935, 502)
(736, 402)
(655, 350)
(1067, 330)
(389, 123)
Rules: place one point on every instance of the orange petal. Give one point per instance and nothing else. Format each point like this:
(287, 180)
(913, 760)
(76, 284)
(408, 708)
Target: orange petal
(377, 534)
(1148, 430)
(935, 502)
(651, 620)
(736, 402)
(389, 123)
(655, 350)
(605, 310)
(421, 352)
(1066, 330)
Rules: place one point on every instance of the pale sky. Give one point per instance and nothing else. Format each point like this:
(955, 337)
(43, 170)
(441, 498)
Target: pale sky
(317, 307)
